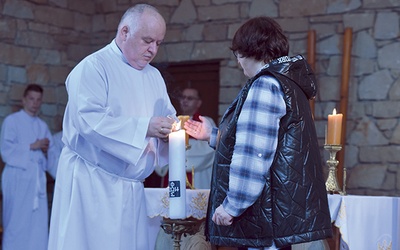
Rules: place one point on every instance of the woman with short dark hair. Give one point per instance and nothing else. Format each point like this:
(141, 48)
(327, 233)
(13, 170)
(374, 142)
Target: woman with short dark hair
(267, 189)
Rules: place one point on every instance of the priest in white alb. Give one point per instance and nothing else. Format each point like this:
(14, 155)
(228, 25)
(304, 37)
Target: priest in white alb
(115, 128)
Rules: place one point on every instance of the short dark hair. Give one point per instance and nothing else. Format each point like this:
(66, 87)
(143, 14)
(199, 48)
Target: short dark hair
(33, 87)
(260, 38)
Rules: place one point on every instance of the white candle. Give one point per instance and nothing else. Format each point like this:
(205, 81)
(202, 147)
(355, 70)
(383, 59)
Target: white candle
(177, 175)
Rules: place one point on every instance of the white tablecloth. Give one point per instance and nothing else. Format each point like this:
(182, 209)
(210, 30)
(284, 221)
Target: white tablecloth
(366, 222)
(157, 202)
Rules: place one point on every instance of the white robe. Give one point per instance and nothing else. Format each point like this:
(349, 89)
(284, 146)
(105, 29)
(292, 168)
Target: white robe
(25, 206)
(99, 198)
(55, 153)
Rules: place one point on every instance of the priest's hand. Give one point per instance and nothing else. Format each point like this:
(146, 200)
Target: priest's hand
(199, 130)
(160, 127)
(221, 217)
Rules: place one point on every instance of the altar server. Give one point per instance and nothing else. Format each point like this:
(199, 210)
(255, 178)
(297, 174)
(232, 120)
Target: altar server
(25, 141)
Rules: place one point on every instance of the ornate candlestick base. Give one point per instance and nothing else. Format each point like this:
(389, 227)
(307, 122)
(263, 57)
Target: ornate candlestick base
(331, 183)
(179, 227)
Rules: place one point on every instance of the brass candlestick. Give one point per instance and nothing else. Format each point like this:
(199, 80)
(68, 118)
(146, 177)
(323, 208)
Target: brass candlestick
(179, 227)
(331, 183)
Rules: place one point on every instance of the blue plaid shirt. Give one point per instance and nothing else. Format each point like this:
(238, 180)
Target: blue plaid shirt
(256, 142)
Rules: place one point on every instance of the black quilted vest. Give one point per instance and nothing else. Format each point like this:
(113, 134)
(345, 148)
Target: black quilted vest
(293, 206)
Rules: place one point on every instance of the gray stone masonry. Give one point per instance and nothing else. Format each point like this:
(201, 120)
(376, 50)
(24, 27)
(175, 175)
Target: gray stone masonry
(42, 40)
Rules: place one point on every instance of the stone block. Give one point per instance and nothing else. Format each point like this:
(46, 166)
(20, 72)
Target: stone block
(35, 39)
(375, 86)
(262, 7)
(364, 45)
(294, 24)
(179, 51)
(185, 13)
(174, 35)
(219, 12)
(211, 50)
(49, 57)
(367, 133)
(8, 29)
(386, 25)
(231, 77)
(16, 92)
(17, 74)
(215, 32)
(60, 3)
(18, 9)
(394, 92)
(193, 32)
(55, 16)
(38, 74)
(82, 22)
(342, 6)
(367, 176)
(358, 21)
(85, 7)
(377, 4)
(330, 87)
(58, 74)
(386, 109)
(388, 56)
(15, 55)
(227, 95)
(313, 7)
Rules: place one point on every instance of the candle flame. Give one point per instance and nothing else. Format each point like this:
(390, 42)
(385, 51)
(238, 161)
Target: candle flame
(176, 126)
(334, 111)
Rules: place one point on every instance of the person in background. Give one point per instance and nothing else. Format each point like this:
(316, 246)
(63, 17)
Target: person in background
(267, 189)
(200, 156)
(115, 127)
(24, 144)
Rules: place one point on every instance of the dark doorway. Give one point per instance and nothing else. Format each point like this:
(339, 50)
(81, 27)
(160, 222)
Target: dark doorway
(202, 75)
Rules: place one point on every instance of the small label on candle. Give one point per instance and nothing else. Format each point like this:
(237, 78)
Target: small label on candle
(174, 189)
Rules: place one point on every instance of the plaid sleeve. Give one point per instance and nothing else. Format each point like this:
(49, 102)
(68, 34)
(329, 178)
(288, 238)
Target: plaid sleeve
(256, 142)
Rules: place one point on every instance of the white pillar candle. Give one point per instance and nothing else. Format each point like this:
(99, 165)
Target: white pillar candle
(177, 175)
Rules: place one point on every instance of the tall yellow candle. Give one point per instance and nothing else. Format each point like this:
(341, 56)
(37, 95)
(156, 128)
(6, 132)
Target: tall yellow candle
(334, 128)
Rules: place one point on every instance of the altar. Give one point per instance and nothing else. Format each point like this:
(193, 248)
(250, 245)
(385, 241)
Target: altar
(157, 201)
(364, 222)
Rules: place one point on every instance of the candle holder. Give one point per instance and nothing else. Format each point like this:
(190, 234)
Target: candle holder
(331, 183)
(179, 227)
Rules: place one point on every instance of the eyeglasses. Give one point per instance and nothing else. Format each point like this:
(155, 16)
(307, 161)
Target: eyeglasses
(237, 54)
(189, 98)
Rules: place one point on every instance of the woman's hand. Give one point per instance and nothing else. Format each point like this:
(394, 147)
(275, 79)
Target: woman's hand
(199, 130)
(221, 217)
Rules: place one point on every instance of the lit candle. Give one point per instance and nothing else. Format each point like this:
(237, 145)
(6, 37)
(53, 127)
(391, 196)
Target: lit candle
(177, 175)
(183, 119)
(334, 128)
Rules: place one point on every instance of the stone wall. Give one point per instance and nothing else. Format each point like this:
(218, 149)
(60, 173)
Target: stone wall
(41, 40)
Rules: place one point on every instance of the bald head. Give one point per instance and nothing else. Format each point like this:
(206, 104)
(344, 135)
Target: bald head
(140, 33)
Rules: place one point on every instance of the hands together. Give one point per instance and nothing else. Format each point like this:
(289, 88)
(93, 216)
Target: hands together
(42, 144)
